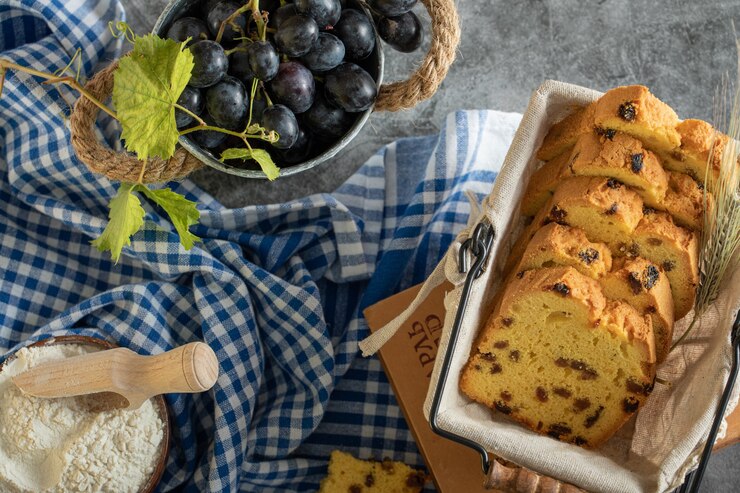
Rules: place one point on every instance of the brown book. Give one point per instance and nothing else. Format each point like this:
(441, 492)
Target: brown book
(408, 360)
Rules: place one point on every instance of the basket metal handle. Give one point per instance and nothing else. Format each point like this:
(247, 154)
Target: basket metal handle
(478, 247)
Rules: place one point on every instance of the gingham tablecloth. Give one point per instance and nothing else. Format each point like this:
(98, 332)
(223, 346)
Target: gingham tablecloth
(277, 291)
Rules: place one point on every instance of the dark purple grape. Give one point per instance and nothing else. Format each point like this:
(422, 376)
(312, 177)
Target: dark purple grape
(299, 151)
(239, 67)
(392, 8)
(210, 63)
(263, 60)
(350, 87)
(281, 15)
(208, 139)
(356, 32)
(327, 53)
(326, 120)
(296, 36)
(326, 13)
(269, 5)
(192, 100)
(293, 86)
(280, 119)
(227, 102)
(219, 13)
(404, 33)
(188, 27)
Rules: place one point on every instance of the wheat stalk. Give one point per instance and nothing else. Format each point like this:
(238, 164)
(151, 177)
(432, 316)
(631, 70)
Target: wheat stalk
(720, 236)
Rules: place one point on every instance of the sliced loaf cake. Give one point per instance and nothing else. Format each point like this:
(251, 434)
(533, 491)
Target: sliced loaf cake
(560, 358)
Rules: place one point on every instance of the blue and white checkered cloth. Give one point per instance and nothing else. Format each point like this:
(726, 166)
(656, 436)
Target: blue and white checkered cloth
(276, 291)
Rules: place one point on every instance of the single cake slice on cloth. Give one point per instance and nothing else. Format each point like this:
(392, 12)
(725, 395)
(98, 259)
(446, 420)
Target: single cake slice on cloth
(350, 475)
(560, 358)
(634, 110)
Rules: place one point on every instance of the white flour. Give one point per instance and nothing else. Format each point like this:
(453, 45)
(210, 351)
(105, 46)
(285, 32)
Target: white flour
(60, 446)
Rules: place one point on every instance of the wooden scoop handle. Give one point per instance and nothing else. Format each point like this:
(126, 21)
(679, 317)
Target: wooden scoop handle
(189, 368)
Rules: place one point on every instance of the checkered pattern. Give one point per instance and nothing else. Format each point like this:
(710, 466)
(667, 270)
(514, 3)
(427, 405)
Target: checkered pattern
(277, 291)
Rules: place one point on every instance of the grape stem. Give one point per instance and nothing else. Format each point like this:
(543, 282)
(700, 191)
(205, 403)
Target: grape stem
(251, 5)
(190, 113)
(53, 79)
(241, 135)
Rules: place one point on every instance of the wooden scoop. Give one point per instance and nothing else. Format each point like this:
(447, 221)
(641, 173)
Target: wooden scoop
(188, 369)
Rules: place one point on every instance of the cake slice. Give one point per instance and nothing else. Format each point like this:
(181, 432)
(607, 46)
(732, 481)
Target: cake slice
(695, 151)
(350, 475)
(635, 111)
(558, 245)
(559, 358)
(622, 157)
(684, 200)
(645, 287)
(563, 135)
(543, 183)
(675, 250)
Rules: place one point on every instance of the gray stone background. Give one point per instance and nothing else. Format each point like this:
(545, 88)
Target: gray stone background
(678, 48)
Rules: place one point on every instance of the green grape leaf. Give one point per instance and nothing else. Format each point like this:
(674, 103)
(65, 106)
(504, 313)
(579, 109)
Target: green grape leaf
(262, 157)
(146, 85)
(126, 218)
(235, 153)
(182, 212)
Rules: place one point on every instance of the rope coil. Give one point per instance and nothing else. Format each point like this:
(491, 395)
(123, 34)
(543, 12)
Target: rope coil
(395, 96)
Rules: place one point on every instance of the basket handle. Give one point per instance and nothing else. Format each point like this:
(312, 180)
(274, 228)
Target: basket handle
(119, 166)
(424, 82)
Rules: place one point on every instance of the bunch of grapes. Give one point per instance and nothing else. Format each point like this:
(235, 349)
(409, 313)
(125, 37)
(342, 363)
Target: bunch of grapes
(297, 68)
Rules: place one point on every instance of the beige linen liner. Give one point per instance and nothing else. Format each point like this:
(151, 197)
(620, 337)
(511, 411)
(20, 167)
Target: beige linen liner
(653, 451)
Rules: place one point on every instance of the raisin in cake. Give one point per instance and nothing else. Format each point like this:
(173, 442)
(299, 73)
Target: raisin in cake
(350, 475)
(643, 285)
(635, 111)
(563, 135)
(560, 358)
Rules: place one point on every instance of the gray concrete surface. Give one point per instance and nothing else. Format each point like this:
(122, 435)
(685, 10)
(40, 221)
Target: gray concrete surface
(679, 48)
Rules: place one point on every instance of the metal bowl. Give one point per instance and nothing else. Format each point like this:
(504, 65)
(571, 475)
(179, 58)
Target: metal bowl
(159, 402)
(373, 64)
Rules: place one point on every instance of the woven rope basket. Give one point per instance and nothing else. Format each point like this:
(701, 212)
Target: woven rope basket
(119, 166)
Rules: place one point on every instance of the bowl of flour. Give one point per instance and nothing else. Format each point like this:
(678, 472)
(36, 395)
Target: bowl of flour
(68, 444)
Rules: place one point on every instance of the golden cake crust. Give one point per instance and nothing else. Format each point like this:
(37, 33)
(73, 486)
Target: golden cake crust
(634, 110)
(555, 244)
(563, 134)
(543, 183)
